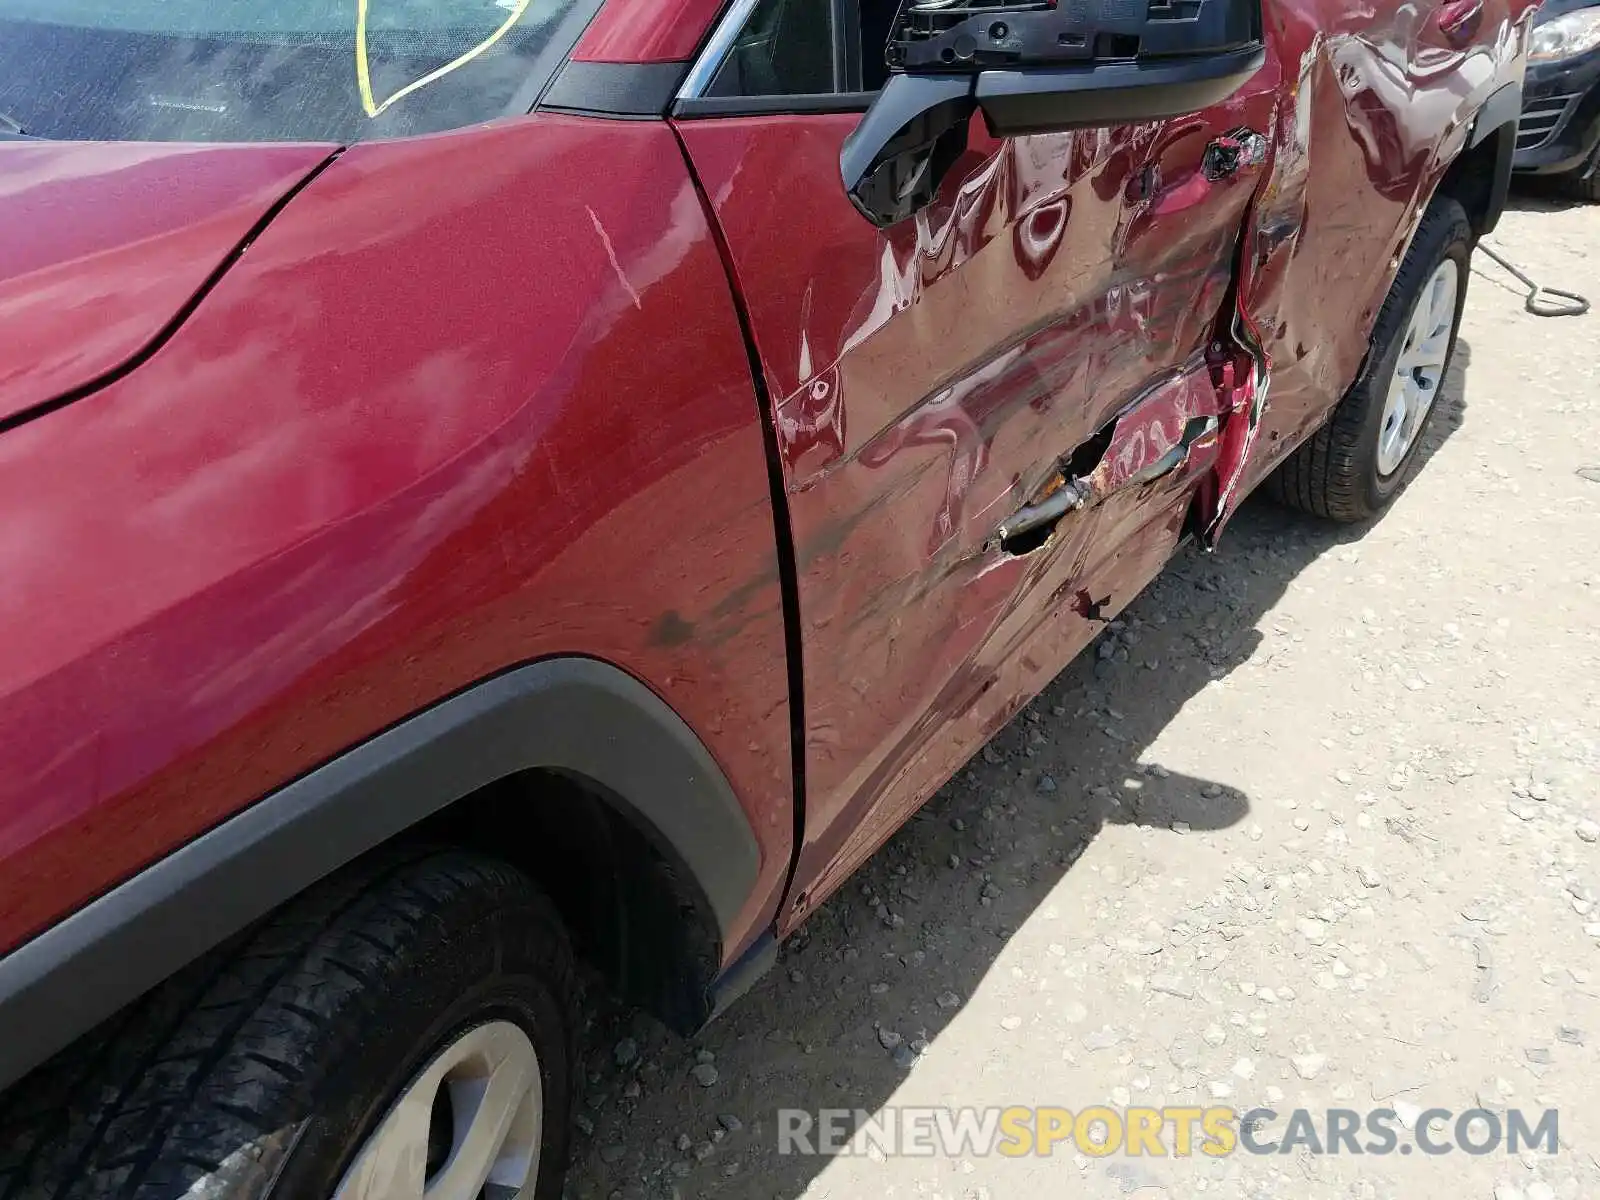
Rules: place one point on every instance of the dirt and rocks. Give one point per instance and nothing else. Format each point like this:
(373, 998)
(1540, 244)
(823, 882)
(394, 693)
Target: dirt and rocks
(1315, 825)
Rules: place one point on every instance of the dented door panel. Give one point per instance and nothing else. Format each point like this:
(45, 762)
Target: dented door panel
(1088, 565)
(929, 380)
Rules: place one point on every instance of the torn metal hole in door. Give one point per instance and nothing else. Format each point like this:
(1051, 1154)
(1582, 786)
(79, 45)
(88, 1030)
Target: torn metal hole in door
(1172, 428)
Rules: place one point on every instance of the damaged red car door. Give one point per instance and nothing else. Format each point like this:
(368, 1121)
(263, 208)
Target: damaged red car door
(992, 417)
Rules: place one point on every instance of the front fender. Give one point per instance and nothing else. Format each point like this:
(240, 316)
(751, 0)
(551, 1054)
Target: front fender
(573, 716)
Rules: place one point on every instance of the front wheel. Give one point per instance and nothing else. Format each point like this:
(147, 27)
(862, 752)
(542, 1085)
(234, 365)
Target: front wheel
(1355, 464)
(1584, 183)
(403, 1030)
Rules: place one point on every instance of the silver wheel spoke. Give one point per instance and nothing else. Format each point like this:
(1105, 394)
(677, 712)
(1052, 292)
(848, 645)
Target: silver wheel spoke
(1420, 402)
(1444, 312)
(485, 1111)
(1432, 350)
(394, 1163)
(488, 1083)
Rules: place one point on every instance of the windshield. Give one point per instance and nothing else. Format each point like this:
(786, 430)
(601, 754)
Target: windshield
(272, 70)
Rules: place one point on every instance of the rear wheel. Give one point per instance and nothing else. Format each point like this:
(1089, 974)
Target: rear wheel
(1355, 464)
(400, 1031)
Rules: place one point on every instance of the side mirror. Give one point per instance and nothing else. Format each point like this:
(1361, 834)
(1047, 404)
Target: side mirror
(1036, 69)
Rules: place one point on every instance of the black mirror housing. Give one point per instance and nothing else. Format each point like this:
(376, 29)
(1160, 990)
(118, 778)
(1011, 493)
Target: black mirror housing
(1032, 70)
(1054, 100)
(893, 161)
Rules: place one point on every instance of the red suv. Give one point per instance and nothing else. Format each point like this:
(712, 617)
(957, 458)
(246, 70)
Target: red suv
(487, 484)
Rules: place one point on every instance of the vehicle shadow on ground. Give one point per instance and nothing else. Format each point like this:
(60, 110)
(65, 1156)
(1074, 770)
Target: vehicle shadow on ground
(913, 935)
(1531, 195)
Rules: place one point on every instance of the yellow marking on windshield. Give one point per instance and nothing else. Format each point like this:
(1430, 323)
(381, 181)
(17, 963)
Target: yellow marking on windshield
(364, 74)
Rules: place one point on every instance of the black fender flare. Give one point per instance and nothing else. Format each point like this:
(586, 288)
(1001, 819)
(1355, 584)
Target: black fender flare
(1503, 107)
(1499, 115)
(575, 716)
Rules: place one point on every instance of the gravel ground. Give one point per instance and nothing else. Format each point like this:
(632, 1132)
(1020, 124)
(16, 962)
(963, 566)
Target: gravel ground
(1314, 825)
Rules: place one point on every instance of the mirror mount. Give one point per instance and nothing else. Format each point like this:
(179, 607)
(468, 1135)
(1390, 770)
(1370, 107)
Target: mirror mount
(987, 34)
(1043, 66)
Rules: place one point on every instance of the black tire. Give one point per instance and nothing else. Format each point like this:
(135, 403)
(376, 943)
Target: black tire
(1335, 474)
(258, 1073)
(1584, 183)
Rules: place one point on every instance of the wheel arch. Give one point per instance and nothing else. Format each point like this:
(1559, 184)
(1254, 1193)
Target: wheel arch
(632, 905)
(569, 767)
(1479, 177)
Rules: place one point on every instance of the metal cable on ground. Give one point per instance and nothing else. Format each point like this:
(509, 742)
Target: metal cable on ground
(1543, 301)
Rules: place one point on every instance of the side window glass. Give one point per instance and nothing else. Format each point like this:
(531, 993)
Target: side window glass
(786, 48)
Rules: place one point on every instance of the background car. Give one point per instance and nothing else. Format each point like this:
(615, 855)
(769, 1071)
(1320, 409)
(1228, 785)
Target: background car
(1558, 139)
